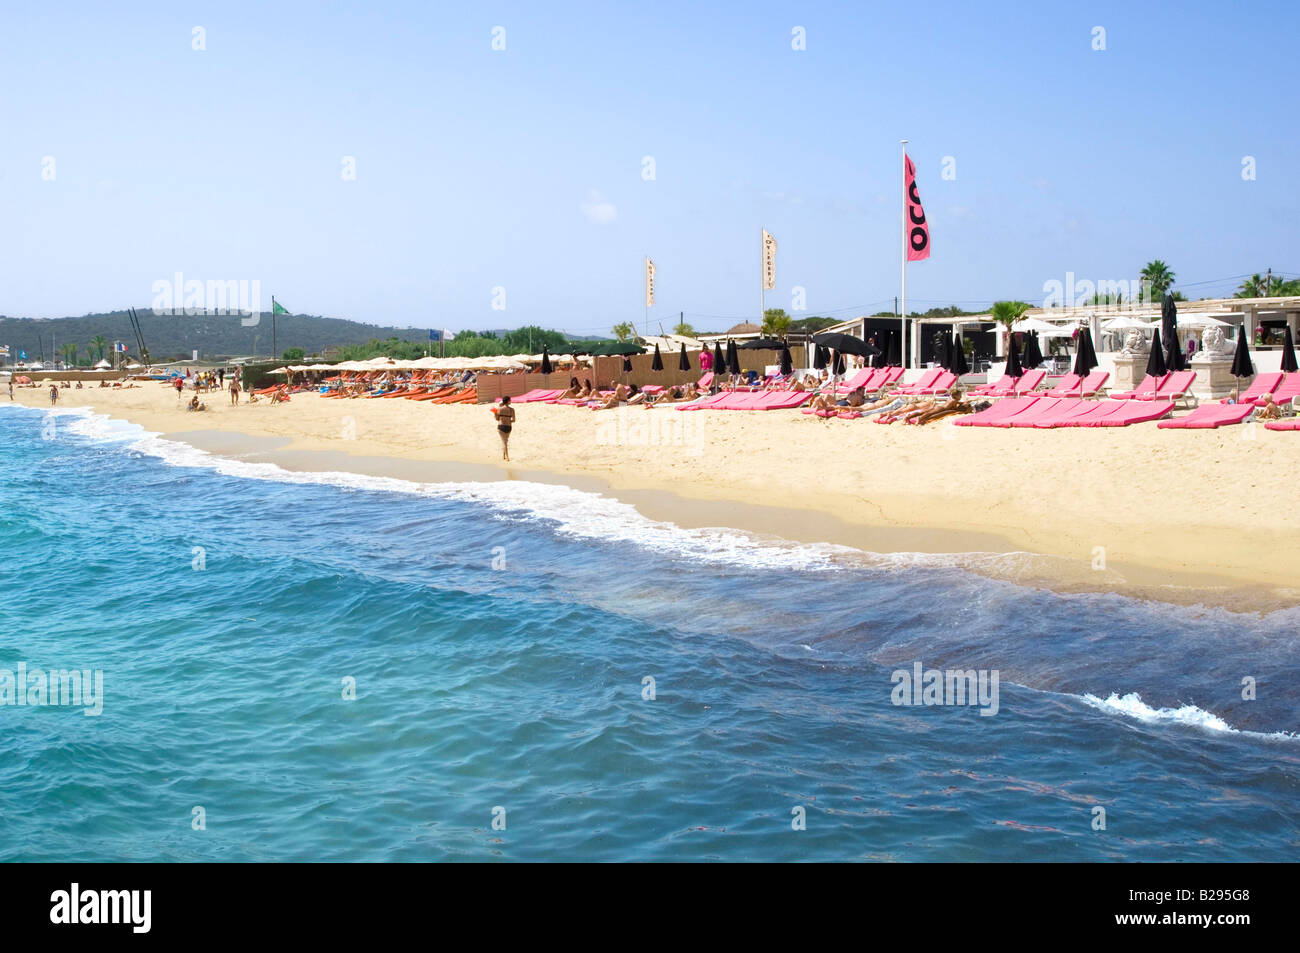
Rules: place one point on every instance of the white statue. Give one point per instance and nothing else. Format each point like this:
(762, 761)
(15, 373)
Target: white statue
(1213, 342)
(1134, 343)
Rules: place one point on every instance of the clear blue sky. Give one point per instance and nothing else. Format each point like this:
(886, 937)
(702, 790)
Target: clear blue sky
(523, 168)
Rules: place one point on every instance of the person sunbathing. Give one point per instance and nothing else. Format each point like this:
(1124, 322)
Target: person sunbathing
(619, 395)
(907, 411)
(884, 405)
(856, 398)
(953, 405)
(575, 389)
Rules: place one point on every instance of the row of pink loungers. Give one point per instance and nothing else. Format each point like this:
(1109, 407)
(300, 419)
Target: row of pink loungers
(1048, 413)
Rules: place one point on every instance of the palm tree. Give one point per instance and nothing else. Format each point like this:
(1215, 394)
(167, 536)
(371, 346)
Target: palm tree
(622, 331)
(1008, 312)
(1158, 276)
(98, 342)
(69, 354)
(1252, 287)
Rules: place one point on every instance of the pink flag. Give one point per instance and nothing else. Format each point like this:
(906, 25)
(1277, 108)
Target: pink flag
(918, 232)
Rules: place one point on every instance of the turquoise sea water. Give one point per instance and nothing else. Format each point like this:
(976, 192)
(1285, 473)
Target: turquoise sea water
(522, 688)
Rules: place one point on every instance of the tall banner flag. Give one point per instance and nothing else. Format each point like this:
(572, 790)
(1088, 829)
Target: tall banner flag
(918, 231)
(769, 261)
(649, 283)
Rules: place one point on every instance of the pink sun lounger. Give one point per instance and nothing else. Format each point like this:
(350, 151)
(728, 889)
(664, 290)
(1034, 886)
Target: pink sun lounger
(923, 385)
(1209, 416)
(1292, 424)
(1144, 391)
(1123, 413)
(1263, 385)
(785, 399)
(1043, 410)
(1289, 389)
(1002, 410)
(1072, 412)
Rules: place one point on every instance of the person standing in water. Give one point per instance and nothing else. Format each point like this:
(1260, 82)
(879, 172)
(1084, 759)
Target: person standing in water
(505, 415)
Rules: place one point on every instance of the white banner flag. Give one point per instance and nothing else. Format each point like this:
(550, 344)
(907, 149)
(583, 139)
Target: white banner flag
(769, 261)
(649, 283)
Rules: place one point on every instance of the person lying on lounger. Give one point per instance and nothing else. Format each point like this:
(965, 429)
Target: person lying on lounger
(953, 405)
(856, 398)
(613, 400)
(575, 389)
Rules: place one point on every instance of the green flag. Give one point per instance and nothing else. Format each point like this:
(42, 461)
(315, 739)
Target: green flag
(277, 308)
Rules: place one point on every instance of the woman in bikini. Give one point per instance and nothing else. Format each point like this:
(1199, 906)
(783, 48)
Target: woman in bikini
(505, 415)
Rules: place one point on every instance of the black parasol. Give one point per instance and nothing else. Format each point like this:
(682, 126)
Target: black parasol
(959, 365)
(1174, 359)
(683, 362)
(1013, 358)
(1156, 366)
(546, 367)
(1288, 353)
(658, 363)
(1085, 358)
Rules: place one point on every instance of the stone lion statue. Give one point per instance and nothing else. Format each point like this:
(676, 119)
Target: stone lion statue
(1134, 342)
(1213, 341)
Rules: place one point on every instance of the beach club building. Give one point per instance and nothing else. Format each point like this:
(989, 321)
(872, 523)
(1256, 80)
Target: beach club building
(1121, 336)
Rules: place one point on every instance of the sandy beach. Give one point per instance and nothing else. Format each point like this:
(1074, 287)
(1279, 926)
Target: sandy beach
(1182, 516)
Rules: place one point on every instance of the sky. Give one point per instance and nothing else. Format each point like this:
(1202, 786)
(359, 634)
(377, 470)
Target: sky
(496, 188)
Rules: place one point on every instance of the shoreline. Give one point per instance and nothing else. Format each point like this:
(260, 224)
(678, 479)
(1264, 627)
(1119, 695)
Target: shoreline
(1216, 566)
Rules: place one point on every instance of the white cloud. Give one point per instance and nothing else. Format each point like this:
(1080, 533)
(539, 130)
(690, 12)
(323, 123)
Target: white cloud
(598, 209)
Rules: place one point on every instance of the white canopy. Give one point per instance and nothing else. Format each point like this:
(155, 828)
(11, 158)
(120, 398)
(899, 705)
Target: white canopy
(1124, 323)
(1036, 325)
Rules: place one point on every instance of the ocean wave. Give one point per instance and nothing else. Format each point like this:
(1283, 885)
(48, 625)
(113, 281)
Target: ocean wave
(1132, 706)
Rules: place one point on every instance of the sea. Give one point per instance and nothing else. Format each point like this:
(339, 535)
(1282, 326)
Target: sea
(293, 666)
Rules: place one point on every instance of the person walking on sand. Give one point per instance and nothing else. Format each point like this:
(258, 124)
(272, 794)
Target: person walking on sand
(54, 394)
(234, 391)
(505, 415)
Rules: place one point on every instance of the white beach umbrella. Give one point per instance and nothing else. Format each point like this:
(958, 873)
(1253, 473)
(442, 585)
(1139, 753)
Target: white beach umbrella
(1034, 325)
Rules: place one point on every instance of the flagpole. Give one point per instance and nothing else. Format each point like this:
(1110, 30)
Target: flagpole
(273, 327)
(762, 279)
(902, 310)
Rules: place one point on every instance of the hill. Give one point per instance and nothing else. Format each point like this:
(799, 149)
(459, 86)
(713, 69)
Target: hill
(174, 337)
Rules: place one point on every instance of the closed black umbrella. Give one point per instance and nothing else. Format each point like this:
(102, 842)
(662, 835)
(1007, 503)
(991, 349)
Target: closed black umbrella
(658, 363)
(627, 365)
(944, 347)
(683, 362)
(546, 360)
(1013, 358)
(733, 358)
(787, 362)
(1241, 366)
(895, 349)
(719, 362)
(1174, 359)
(1288, 353)
(1156, 366)
(820, 358)
(959, 364)
(847, 343)
(838, 369)
(1085, 358)
(1033, 355)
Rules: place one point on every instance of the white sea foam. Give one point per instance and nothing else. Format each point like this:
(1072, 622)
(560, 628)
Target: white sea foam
(569, 511)
(1132, 706)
